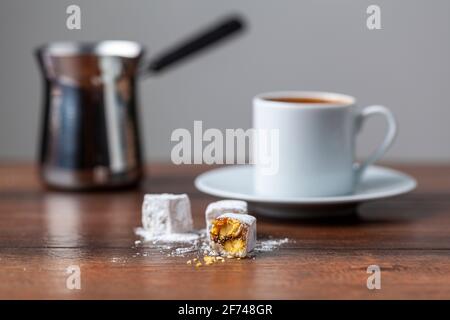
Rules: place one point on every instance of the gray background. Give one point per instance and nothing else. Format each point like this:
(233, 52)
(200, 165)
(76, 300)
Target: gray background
(315, 44)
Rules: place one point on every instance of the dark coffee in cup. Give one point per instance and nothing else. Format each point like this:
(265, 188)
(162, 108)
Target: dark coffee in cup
(307, 100)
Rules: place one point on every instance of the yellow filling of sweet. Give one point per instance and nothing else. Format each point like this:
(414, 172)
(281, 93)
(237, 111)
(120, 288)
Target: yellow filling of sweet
(229, 233)
(234, 246)
(230, 229)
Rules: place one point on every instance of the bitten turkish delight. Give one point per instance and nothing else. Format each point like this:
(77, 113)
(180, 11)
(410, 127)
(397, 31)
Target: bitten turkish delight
(233, 234)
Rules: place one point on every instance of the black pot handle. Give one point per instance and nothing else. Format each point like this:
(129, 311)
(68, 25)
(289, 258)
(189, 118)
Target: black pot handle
(206, 38)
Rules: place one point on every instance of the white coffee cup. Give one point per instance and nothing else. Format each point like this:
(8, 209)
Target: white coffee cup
(316, 143)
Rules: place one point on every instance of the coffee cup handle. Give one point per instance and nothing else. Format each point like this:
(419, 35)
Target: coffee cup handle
(385, 144)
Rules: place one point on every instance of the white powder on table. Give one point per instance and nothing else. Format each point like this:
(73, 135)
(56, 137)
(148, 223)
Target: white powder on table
(270, 244)
(182, 244)
(166, 238)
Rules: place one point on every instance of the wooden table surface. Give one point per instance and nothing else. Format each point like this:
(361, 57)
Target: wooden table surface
(43, 232)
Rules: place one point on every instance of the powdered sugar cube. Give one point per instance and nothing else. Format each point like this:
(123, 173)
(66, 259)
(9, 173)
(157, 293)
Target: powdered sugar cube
(166, 214)
(218, 208)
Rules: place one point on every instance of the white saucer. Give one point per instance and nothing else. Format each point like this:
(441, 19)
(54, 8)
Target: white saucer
(236, 182)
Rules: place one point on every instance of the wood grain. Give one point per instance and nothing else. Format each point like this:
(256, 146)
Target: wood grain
(42, 232)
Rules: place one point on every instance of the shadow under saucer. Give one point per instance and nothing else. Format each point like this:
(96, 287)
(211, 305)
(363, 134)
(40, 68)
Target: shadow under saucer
(294, 211)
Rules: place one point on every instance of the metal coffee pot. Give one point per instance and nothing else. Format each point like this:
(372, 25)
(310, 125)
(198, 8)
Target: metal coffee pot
(90, 132)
